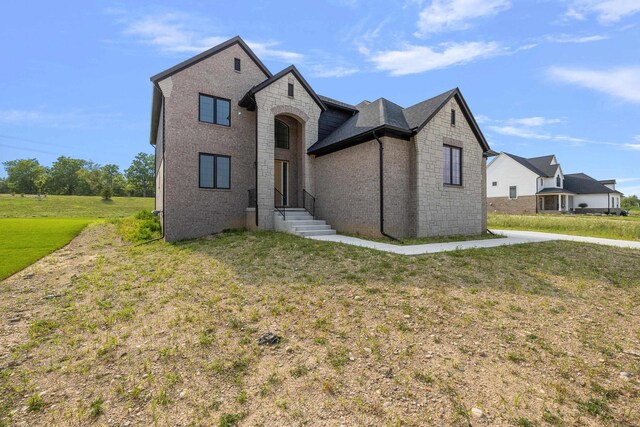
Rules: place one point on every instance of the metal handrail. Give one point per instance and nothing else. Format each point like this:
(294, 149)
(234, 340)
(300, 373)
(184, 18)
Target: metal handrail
(281, 209)
(309, 203)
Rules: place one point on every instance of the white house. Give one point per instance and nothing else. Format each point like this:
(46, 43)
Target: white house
(538, 184)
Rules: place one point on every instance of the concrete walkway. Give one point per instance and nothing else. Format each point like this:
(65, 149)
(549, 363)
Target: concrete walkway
(512, 238)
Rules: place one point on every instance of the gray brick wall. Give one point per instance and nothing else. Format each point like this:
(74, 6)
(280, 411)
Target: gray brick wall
(189, 210)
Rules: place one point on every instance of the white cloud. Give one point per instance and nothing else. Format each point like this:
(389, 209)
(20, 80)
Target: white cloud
(633, 147)
(622, 82)
(528, 133)
(445, 15)
(568, 38)
(411, 59)
(623, 180)
(534, 121)
(606, 11)
(176, 32)
(324, 71)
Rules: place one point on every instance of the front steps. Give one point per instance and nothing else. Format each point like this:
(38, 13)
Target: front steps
(300, 222)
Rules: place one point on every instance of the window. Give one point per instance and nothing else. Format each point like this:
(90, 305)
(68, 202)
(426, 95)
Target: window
(290, 89)
(215, 110)
(236, 64)
(452, 165)
(453, 117)
(494, 184)
(215, 171)
(513, 192)
(282, 134)
(558, 181)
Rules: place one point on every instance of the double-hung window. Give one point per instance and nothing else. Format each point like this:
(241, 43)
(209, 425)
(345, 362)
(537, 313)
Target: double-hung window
(281, 134)
(452, 165)
(215, 110)
(215, 171)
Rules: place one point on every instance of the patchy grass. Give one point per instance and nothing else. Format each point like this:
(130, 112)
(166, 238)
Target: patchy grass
(611, 227)
(426, 240)
(24, 241)
(71, 206)
(167, 334)
(142, 227)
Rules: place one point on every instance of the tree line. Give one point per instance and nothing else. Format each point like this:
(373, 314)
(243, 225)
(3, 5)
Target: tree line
(78, 177)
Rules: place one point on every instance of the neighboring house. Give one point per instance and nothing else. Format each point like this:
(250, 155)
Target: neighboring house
(538, 184)
(237, 146)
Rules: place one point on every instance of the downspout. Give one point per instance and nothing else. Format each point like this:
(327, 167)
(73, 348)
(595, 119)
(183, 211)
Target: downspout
(382, 188)
(256, 168)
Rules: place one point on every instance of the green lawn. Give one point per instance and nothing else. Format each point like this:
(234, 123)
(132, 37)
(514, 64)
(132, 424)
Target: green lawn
(32, 227)
(71, 206)
(23, 241)
(611, 227)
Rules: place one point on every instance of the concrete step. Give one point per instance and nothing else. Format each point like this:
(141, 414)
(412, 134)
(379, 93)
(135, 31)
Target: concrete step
(297, 222)
(318, 227)
(316, 233)
(295, 216)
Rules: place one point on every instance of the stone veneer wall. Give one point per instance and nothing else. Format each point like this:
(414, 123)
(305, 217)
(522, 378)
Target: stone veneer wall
(521, 205)
(271, 101)
(190, 211)
(442, 209)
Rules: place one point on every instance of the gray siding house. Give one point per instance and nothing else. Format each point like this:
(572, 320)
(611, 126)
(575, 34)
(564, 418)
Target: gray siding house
(237, 146)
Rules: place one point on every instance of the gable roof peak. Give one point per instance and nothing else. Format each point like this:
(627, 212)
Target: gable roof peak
(210, 52)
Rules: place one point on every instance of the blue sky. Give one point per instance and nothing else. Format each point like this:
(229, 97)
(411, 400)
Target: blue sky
(541, 77)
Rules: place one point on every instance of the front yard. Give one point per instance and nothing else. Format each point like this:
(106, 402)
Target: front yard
(166, 334)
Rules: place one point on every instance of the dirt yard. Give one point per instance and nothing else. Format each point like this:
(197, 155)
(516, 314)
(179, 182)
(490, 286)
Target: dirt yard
(102, 333)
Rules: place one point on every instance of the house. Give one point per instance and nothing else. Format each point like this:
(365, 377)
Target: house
(237, 146)
(538, 184)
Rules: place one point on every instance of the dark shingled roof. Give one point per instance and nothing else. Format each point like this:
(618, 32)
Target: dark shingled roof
(541, 166)
(384, 116)
(581, 183)
(336, 103)
(555, 191)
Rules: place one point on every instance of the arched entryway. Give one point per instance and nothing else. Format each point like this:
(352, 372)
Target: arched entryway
(288, 168)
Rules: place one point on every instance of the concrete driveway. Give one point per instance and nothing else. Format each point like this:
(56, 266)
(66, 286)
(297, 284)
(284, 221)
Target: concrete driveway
(512, 237)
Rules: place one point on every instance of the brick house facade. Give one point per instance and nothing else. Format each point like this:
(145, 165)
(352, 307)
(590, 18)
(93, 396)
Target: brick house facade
(233, 141)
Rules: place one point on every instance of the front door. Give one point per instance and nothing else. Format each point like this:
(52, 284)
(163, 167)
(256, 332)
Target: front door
(281, 181)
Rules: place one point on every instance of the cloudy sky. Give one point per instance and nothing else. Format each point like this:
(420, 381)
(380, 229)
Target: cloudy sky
(541, 77)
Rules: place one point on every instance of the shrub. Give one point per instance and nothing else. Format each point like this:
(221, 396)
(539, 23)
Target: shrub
(106, 193)
(583, 205)
(142, 227)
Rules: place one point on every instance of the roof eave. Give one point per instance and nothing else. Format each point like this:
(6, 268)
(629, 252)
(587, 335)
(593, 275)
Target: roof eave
(361, 138)
(296, 73)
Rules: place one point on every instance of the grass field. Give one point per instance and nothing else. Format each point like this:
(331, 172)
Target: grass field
(612, 227)
(23, 241)
(166, 334)
(71, 206)
(31, 228)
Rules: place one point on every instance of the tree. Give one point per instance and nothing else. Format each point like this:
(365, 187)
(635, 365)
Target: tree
(140, 175)
(22, 175)
(64, 175)
(630, 202)
(4, 186)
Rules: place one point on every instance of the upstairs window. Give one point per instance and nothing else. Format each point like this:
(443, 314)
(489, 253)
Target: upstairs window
(494, 184)
(215, 110)
(236, 64)
(513, 192)
(215, 171)
(558, 181)
(452, 165)
(282, 134)
(290, 90)
(453, 117)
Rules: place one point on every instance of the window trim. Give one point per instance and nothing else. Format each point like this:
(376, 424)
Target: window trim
(290, 91)
(215, 109)
(515, 187)
(215, 170)
(237, 64)
(288, 135)
(558, 181)
(451, 148)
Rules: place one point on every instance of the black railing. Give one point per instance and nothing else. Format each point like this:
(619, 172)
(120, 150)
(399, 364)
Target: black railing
(309, 203)
(253, 198)
(279, 202)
